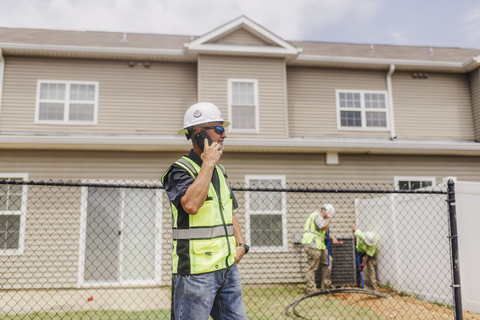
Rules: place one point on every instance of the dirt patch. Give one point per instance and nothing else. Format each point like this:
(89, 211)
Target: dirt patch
(400, 307)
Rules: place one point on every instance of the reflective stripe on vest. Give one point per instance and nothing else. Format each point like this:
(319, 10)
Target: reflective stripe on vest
(202, 233)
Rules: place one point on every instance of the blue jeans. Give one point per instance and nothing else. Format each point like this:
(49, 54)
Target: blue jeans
(218, 294)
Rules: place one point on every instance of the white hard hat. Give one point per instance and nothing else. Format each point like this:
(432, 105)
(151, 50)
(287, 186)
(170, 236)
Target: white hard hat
(369, 238)
(329, 208)
(199, 113)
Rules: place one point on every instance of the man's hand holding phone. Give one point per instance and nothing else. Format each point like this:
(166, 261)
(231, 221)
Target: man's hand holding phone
(211, 153)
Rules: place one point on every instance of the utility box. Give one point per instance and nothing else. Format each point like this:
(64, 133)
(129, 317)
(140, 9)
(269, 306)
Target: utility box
(344, 270)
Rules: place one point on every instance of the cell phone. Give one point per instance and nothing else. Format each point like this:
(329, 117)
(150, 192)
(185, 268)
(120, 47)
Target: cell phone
(200, 137)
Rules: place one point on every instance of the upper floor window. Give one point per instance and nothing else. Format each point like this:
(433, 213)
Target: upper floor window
(66, 102)
(413, 183)
(243, 105)
(362, 110)
(265, 213)
(13, 208)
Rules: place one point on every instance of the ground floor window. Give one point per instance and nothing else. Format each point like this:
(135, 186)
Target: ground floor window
(13, 209)
(265, 213)
(413, 183)
(121, 240)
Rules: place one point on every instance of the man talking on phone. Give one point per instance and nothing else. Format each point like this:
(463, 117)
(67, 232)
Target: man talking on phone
(207, 239)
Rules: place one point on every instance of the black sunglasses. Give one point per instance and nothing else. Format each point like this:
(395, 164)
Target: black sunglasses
(218, 129)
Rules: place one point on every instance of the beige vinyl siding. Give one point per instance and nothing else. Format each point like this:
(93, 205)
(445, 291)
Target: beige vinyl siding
(214, 72)
(61, 222)
(241, 37)
(132, 100)
(438, 107)
(475, 92)
(53, 215)
(312, 104)
(50, 258)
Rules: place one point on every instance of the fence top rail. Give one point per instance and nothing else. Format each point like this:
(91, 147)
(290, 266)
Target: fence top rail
(293, 188)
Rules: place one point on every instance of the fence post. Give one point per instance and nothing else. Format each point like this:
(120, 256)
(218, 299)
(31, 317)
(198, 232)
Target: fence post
(457, 294)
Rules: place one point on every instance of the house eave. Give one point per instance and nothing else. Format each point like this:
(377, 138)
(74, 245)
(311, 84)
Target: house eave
(90, 52)
(291, 145)
(384, 64)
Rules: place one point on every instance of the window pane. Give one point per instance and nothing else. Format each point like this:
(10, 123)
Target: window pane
(90, 92)
(242, 93)
(102, 243)
(426, 184)
(139, 231)
(349, 100)
(243, 117)
(350, 119)
(266, 230)
(52, 91)
(51, 111)
(74, 92)
(375, 100)
(403, 185)
(9, 231)
(81, 112)
(415, 185)
(376, 119)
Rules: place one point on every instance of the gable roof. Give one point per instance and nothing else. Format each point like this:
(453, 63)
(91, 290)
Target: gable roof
(266, 42)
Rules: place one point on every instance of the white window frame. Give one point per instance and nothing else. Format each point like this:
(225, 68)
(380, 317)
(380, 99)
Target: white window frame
(396, 180)
(230, 105)
(81, 283)
(362, 110)
(283, 212)
(22, 213)
(66, 102)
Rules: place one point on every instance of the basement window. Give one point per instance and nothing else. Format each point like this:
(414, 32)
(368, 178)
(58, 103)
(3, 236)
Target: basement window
(66, 102)
(413, 183)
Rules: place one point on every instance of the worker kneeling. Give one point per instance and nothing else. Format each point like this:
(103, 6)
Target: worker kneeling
(367, 250)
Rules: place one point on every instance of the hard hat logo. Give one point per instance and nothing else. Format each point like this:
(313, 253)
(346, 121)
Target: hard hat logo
(197, 114)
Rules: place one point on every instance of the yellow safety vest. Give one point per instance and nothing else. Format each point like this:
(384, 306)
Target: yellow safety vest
(203, 242)
(311, 234)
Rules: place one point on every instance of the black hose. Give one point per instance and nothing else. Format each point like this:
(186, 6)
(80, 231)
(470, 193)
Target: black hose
(329, 291)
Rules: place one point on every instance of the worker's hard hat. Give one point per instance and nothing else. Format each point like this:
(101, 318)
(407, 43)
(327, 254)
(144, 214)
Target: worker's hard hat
(370, 238)
(199, 113)
(329, 208)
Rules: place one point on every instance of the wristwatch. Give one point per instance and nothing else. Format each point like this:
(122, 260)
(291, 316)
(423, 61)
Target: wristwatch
(245, 246)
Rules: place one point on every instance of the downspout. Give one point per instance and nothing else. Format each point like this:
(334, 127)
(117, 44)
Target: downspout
(390, 101)
(2, 71)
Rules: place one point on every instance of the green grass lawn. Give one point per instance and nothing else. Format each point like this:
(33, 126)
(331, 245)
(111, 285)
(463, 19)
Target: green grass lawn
(266, 302)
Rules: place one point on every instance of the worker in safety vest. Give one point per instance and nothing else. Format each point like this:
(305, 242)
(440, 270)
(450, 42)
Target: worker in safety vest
(367, 250)
(207, 239)
(314, 236)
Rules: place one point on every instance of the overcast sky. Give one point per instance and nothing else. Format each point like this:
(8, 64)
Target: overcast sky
(400, 22)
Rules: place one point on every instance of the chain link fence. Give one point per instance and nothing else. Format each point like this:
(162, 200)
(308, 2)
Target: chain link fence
(102, 250)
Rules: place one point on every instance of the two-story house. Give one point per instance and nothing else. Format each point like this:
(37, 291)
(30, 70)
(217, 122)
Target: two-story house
(106, 106)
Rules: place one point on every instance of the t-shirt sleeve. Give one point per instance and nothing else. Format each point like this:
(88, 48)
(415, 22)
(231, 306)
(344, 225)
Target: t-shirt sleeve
(176, 183)
(234, 200)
